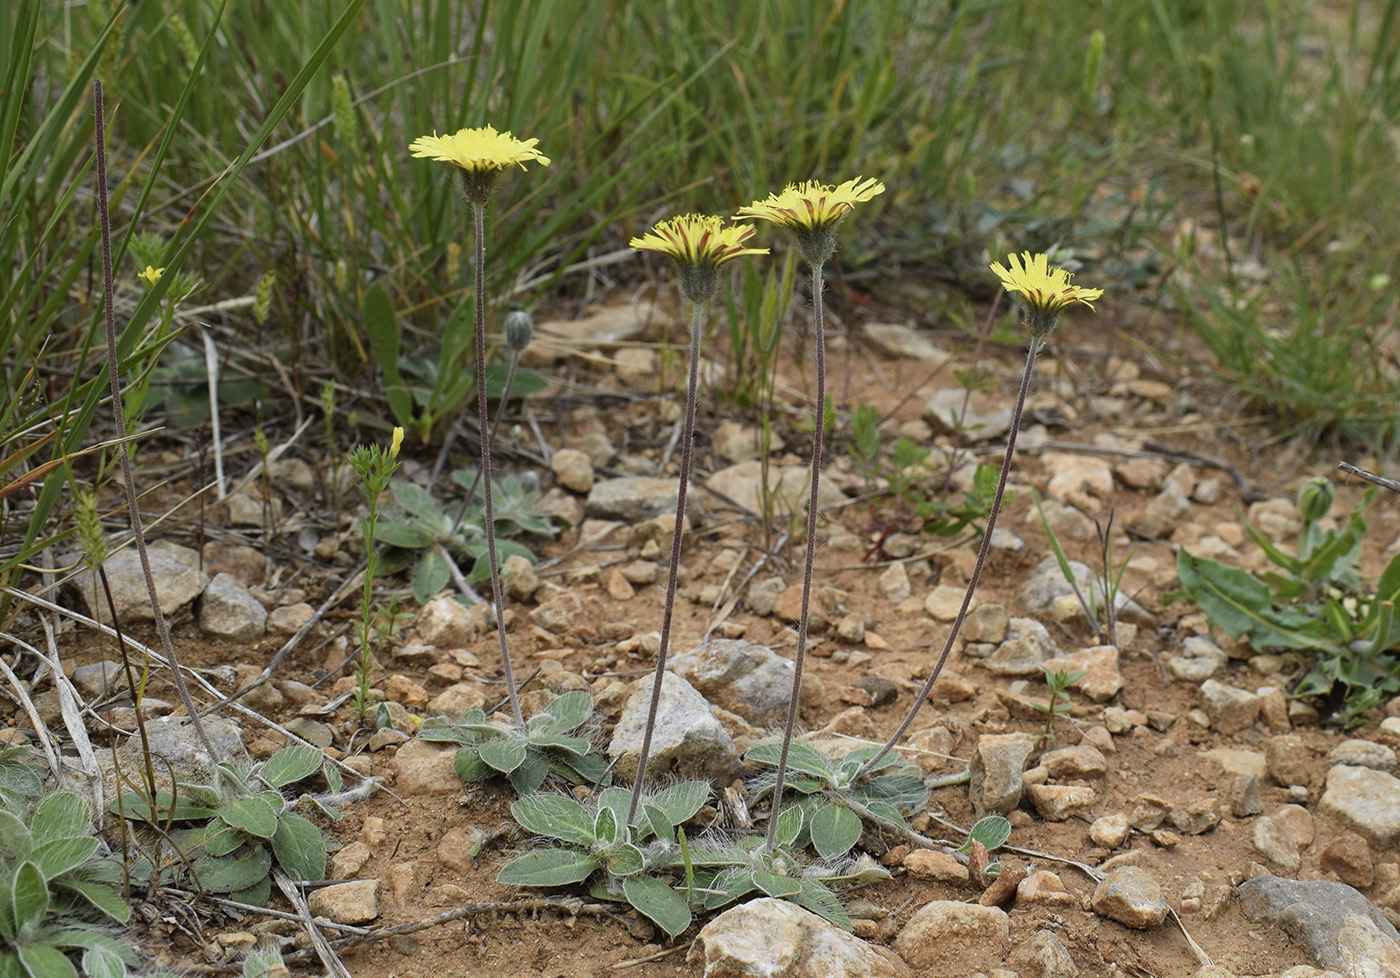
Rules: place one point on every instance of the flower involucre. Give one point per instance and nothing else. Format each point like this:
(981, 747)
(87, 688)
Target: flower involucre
(698, 244)
(1045, 291)
(811, 211)
(481, 154)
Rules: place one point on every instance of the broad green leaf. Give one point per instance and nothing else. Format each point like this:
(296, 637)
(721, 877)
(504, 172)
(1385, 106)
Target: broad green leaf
(382, 328)
(134, 806)
(291, 764)
(430, 575)
(299, 848)
(42, 961)
(61, 815)
(835, 830)
(263, 964)
(663, 905)
(530, 775)
(576, 746)
(855, 758)
(887, 811)
(682, 800)
(728, 885)
(565, 713)
(1240, 604)
(505, 754)
(101, 962)
(991, 830)
(200, 794)
(556, 817)
(469, 765)
(218, 838)
(15, 837)
(657, 822)
(59, 856)
(586, 769)
(790, 822)
(618, 799)
(256, 895)
(547, 867)
(625, 860)
(398, 531)
(801, 757)
(28, 897)
(253, 815)
(100, 895)
(775, 885)
(606, 827)
(821, 901)
(224, 874)
(10, 966)
(418, 502)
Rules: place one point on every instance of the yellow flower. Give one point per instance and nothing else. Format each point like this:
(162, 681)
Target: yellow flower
(699, 244)
(812, 210)
(397, 441)
(481, 154)
(1044, 290)
(151, 275)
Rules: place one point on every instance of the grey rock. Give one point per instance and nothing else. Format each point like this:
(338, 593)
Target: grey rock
(177, 575)
(228, 610)
(312, 731)
(1170, 508)
(1132, 897)
(1046, 582)
(1342, 930)
(905, 341)
(1057, 802)
(743, 484)
(986, 417)
(924, 940)
(99, 679)
(1289, 760)
(986, 623)
(174, 739)
(1004, 538)
(445, 623)
(1366, 801)
(1363, 753)
(998, 763)
(688, 739)
(1200, 659)
(763, 594)
(1043, 955)
(743, 677)
(1273, 842)
(1230, 709)
(1246, 795)
(356, 902)
(769, 938)
(894, 583)
(637, 498)
(1027, 645)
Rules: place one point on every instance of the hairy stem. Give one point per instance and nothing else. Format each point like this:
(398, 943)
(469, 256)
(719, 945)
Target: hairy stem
(972, 581)
(114, 378)
(818, 331)
(697, 328)
(495, 426)
(479, 229)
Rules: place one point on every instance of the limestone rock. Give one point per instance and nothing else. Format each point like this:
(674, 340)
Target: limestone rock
(925, 939)
(177, 575)
(1101, 680)
(1231, 710)
(789, 485)
(688, 739)
(635, 499)
(573, 469)
(986, 417)
(1365, 801)
(770, 938)
(1042, 955)
(422, 768)
(1132, 897)
(356, 902)
(1342, 930)
(1026, 647)
(998, 763)
(745, 678)
(1057, 802)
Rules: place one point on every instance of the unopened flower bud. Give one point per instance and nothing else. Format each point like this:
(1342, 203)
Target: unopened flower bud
(1315, 498)
(520, 326)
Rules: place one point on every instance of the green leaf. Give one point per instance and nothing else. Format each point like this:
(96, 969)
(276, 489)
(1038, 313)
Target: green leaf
(664, 906)
(547, 867)
(15, 837)
(606, 827)
(218, 838)
(10, 966)
(682, 800)
(382, 328)
(469, 765)
(530, 775)
(821, 901)
(801, 757)
(728, 885)
(100, 895)
(397, 531)
(256, 895)
(418, 502)
(505, 754)
(555, 817)
(626, 860)
(61, 815)
(299, 848)
(136, 807)
(253, 815)
(430, 575)
(887, 811)
(657, 822)
(617, 799)
(224, 874)
(41, 961)
(1239, 603)
(991, 830)
(59, 856)
(28, 896)
(102, 962)
(291, 764)
(775, 885)
(790, 822)
(835, 830)
(564, 714)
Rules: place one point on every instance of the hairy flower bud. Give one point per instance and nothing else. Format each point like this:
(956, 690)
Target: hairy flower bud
(1315, 498)
(520, 326)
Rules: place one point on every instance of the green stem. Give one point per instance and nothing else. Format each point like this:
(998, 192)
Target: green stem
(817, 432)
(697, 329)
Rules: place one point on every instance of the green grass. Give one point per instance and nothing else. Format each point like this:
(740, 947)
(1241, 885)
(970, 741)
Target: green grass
(255, 137)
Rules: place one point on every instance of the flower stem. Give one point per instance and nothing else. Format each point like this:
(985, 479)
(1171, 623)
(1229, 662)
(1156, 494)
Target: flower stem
(922, 695)
(794, 701)
(697, 329)
(495, 426)
(488, 514)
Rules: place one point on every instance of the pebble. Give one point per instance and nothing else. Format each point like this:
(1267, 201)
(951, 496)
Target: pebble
(355, 902)
(456, 699)
(349, 861)
(926, 938)
(1110, 831)
(1080, 761)
(422, 768)
(734, 442)
(573, 469)
(1231, 710)
(687, 739)
(934, 865)
(986, 623)
(99, 679)
(1363, 753)
(788, 485)
(900, 340)
(745, 678)
(1340, 928)
(454, 849)
(519, 577)
(1274, 843)
(894, 584)
(986, 417)
(943, 602)
(635, 499)
(1366, 801)
(1101, 680)
(1168, 509)
(1044, 887)
(1080, 480)
(1042, 955)
(178, 582)
(1246, 795)
(1026, 647)
(788, 608)
(778, 939)
(289, 619)
(1350, 858)
(1056, 802)
(445, 623)
(1197, 818)
(1199, 660)
(1132, 897)
(996, 768)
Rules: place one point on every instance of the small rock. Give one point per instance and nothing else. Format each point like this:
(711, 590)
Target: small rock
(1275, 844)
(445, 623)
(851, 628)
(1236, 762)
(1289, 760)
(99, 679)
(289, 619)
(762, 597)
(1200, 659)
(1110, 831)
(948, 925)
(454, 850)
(789, 487)
(1340, 928)
(904, 341)
(687, 738)
(1350, 858)
(940, 866)
(1277, 519)
(349, 861)
(455, 700)
(998, 762)
(1132, 897)
(894, 583)
(882, 691)
(770, 938)
(1273, 708)
(178, 582)
(356, 902)
(519, 577)
(1027, 646)
(1057, 802)
(1080, 761)
(734, 442)
(425, 769)
(401, 689)
(1168, 509)
(1101, 680)
(943, 602)
(1366, 801)
(573, 469)
(985, 417)
(565, 614)
(636, 499)
(1231, 710)
(986, 623)
(745, 678)
(1363, 753)
(1246, 795)
(1042, 955)
(1080, 480)
(1295, 820)
(1044, 887)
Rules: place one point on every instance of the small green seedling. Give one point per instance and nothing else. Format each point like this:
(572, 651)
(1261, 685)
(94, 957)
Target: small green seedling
(1058, 704)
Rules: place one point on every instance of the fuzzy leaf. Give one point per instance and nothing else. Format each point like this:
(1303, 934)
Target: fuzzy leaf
(821, 901)
(61, 815)
(382, 329)
(657, 822)
(224, 874)
(505, 754)
(42, 961)
(606, 827)
(835, 830)
(397, 531)
(59, 856)
(100, 895)
(801, 757)
(564, 714)
(555, 817)
(681, 801)
(991, 830)
(547, 867)
(618, 799)
(626, 860)
(729, 884)
(218, 838)
(102, 962)
(253, 815)
(182, 810)
(15, 837)
(469, 765)
(29, 896)
(775, 885)
(790, 822)
(656, 900)
(299, 848)
(530, 774)
(256, 895)
(291, 764)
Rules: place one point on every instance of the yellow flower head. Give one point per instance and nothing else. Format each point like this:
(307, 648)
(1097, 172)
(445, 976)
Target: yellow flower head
(1045, 291)
(481, 154)
(812, 210)
(698, 244)
(151, 275)
(396, 442)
